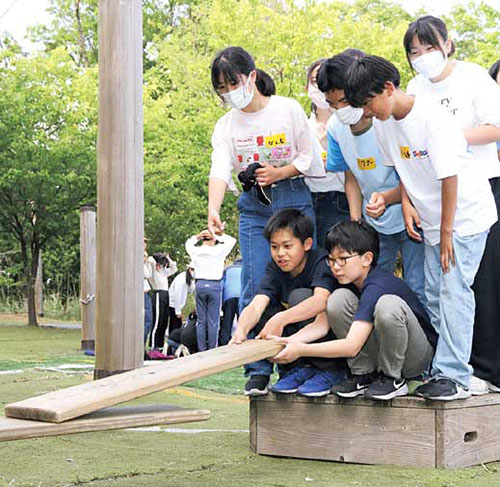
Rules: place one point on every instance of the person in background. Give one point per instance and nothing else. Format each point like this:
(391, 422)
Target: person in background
(494, 72)
(328, 194)
(148, 311)
(182, 285)
(162, 267)
(230, 300)
(208, 254)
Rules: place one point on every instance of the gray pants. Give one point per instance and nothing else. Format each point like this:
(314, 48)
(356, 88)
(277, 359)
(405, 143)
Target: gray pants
(397, 346)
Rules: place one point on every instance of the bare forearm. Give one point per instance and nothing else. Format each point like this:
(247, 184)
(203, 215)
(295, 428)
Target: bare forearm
(216, 191)
(314, 331)
(392, 196)
(448, 204)
(309, 308)
(354, 196)
(484, 134)
(288, 171)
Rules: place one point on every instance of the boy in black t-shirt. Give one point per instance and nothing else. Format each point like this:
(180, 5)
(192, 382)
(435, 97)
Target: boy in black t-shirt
(294, 290)
(383, 330)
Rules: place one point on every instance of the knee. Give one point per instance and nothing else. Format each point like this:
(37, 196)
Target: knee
(299, 295)
(387, 310)
(340, 301)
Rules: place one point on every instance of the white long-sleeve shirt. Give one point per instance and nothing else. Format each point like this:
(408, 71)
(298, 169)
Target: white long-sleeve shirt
(159, 277)
(208, 260)
(179, 291)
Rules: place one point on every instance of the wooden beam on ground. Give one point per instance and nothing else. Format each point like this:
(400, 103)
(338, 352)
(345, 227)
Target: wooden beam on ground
(88, 275)
(107, 419)
(120, 199)
(65, 404)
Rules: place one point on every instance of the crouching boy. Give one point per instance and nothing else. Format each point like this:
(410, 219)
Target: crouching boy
(382, 329)
(295, 288)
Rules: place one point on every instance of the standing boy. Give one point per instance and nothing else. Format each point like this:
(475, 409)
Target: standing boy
(444, 194)
(384, 333)
(371, 188)
(295, 289)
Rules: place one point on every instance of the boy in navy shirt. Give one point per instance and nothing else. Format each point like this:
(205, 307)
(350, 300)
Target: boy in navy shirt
(382, 329)
(295, 288)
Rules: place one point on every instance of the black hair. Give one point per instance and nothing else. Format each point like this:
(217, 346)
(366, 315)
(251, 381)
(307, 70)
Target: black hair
(351, 236)
(332, 73)
(429, 30)
(189, 277)
(493, 71)
(291, 219)
(161, 259)
(367, 77)
(232, 62)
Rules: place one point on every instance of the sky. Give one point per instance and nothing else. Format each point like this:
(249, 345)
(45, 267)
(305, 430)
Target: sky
(17, 15)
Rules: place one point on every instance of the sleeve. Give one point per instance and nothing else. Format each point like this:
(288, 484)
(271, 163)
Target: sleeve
(269, 286)
(148, 274)
(190, 246)
(228, 243)
(305, 162)
(221, 154)
(335, 161)
(323, 276)
(410, 89)
(383, 144)
(487, 99)
(182, 293)
(172, 268)
(367, 302)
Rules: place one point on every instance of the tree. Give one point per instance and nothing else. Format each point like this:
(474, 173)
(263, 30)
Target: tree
(47, 153)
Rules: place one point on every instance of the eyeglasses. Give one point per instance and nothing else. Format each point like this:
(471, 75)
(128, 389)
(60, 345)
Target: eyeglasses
(340, 261)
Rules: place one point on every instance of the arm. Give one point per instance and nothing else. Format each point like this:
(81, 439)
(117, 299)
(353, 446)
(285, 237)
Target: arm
(314, 331)
(354, 196)
(172, 266)
(345, 347)
(380, 200)
(410, 215)
(304, 310)
(249, 318)
(484, 134)
(216, 191)
(448, 207)
(190, 245)
(268, 174)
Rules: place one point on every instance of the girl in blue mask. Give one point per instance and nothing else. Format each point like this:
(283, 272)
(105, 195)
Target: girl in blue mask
(265, 129)
(467, 91)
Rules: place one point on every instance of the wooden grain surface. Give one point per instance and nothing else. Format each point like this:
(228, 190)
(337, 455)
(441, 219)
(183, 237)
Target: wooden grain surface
(107, 419)
(61, 405)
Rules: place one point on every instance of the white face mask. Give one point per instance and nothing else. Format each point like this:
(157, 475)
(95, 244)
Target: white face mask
(431, 64)
(317, 97)
(349, 115)
(240, 97)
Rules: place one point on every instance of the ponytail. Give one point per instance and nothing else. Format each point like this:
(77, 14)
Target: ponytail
(265, 83)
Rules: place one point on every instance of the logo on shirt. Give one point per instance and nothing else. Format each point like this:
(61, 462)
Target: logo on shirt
(420, 154)
(405, 152)
(275, 140)
(273, 149)
(366, 163)
(324, 157)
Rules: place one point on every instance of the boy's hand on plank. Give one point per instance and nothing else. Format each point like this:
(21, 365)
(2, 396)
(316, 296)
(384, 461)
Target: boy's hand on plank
(274, 326)
(238, 337)
(290, 353)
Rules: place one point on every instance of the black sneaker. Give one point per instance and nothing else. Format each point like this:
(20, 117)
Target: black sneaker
(385, 388)
(442, 389)
(354, 385)
(256, 385)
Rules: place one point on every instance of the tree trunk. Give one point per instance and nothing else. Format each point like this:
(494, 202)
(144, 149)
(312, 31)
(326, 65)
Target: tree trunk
(84, 60)
(29, 281)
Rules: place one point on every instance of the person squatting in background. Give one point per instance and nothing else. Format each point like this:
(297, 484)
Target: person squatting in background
(208, 254)
(231, 283)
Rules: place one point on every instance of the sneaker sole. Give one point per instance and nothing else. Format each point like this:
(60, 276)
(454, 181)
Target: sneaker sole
(459, 395)
(402, 391)
(314, 394)
(360, 392)
(256, 392)
(286, 391)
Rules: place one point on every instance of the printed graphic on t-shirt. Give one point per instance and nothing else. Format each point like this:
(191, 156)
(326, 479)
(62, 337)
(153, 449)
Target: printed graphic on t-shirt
(366, 163)
(274, 149)
(448, 103)
(324, 156)
(419, 154)
(405, 152)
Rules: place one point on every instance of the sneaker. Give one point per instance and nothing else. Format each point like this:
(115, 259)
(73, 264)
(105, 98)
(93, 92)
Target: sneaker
(492, 387)
(289, 383)
(478, 387)
(321, 383)
(155, 354)
(442, 389)
(385, 388)
(256, 385)
(354, 385)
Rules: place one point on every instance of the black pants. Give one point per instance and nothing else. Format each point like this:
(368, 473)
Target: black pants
(229, 311)
(485, 357)
(175, 322)
(160, 319)
(297, 296)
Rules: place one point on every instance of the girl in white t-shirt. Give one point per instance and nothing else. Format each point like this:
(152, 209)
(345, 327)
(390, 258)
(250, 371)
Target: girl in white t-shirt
(471, 96)
(328, 193)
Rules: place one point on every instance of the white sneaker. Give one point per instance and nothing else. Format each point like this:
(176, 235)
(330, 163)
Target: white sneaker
(492, 387)
(479, 387)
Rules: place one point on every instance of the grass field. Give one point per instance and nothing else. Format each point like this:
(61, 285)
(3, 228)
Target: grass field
(211, 453)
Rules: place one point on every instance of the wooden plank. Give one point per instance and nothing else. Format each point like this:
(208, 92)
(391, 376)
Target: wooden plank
(346, 433)
(59, 406)
(399, 402)
(107, 419)
(470, 437)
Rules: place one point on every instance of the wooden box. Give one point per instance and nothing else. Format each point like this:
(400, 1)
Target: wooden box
(407, 431)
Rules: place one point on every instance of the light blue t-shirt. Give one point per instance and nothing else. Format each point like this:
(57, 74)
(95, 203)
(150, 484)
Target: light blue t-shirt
(360, 155)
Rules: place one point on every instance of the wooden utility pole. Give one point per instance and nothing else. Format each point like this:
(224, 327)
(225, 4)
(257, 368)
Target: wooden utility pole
(120, 199)
(39, 287)
(88, 275)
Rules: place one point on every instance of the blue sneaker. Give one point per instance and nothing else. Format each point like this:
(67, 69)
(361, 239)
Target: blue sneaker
(292, 380)
(321, 382)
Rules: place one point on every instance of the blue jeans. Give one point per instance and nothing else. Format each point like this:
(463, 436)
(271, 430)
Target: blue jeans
(208, 306)
(412, 253)
(330, 208)
(289, 193)
(148, 316)
(451, 305)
